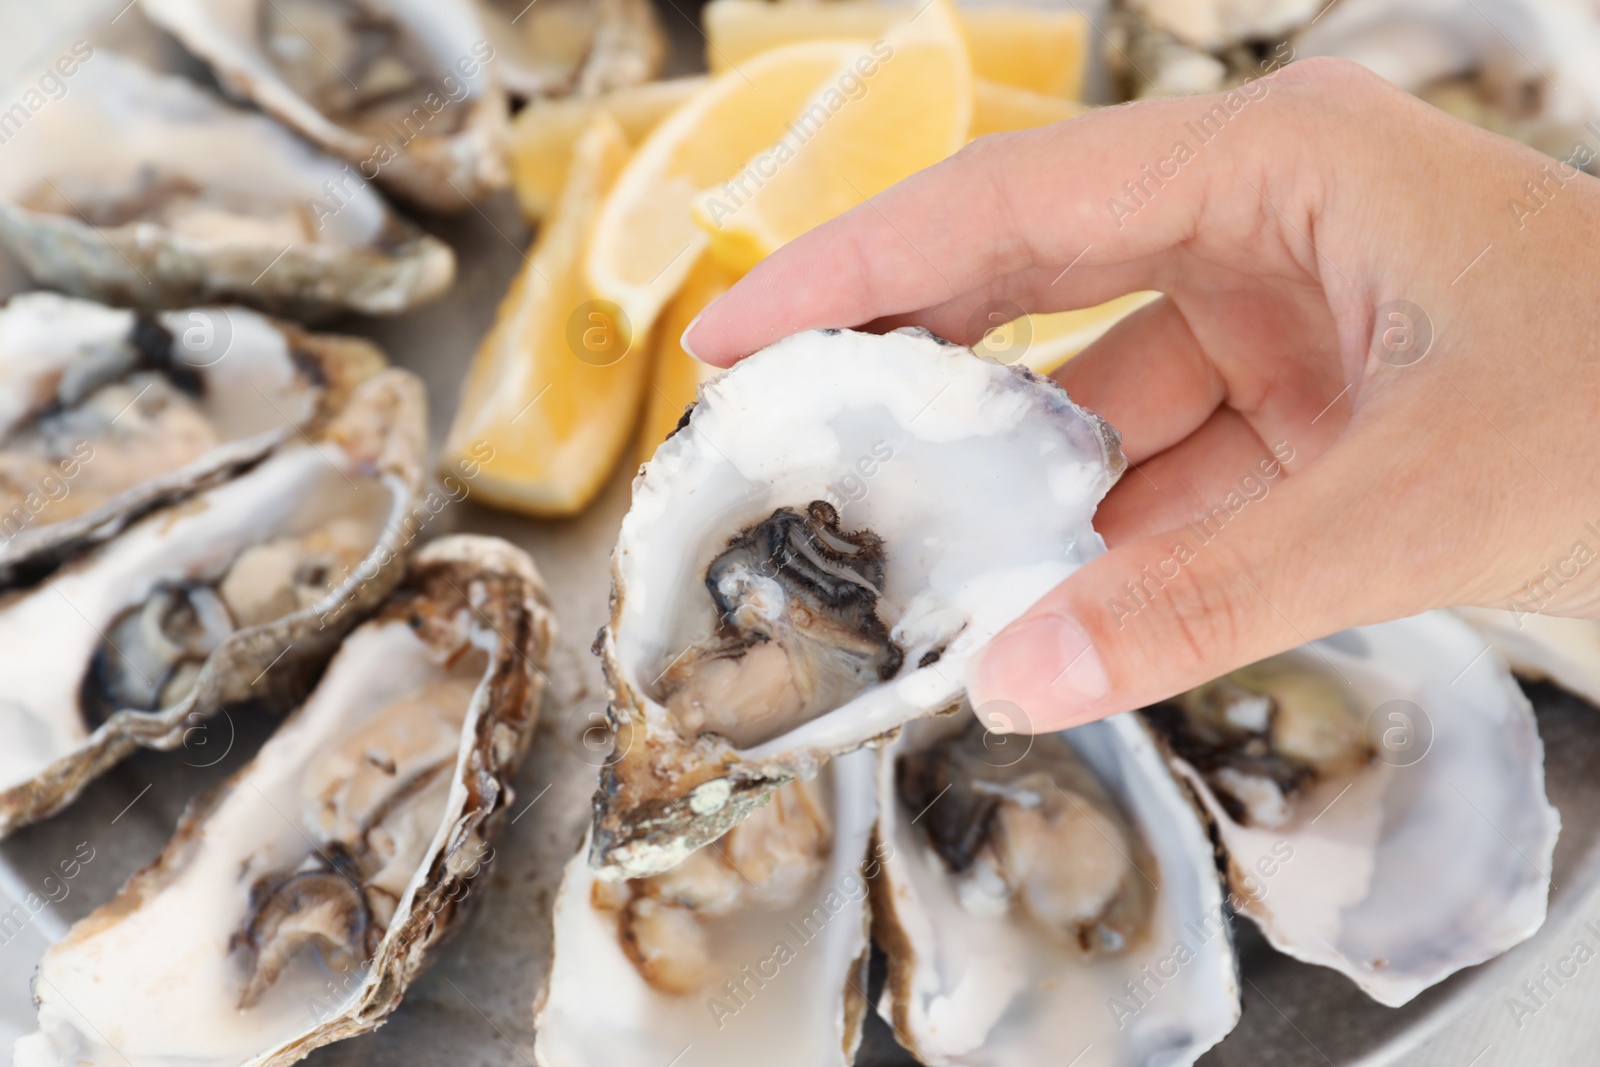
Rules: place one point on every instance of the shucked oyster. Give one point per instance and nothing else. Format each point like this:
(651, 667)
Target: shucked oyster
(752, 950)
(759, 628)
(1384, 787)
(105, 413)
(144, 190)
(1523, 68)
(294, 906)
(401, 89)
(232, 595)
(1050, 898)
(1265, 734)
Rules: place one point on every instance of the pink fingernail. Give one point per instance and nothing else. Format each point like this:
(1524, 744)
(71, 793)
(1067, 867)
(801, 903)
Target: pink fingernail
(1046, 667)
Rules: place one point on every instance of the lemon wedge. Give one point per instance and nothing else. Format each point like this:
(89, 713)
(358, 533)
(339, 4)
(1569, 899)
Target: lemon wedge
(1044, 342)
(1000, 108)
(1041, 49)
(543, 133)
(893, 108)
(678, 375)
(554, 391)
(646, 240)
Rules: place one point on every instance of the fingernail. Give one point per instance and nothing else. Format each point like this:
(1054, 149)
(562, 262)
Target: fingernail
(683, 342)
(1046, 666)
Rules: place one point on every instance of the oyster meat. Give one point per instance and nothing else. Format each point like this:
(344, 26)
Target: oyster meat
(142, 189)
(1380, 798)
(780, 597)
(752, 950)
(1044, 898)
(235, 594)
(401, 89)
(294, 905)
(105, 413)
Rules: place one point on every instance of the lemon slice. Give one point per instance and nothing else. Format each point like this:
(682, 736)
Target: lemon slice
(1044, 342)
(543, 133)
(999, 108)
(554, 390)
(678, 375)
(1042, 49)
(892, 109)
(646, 240)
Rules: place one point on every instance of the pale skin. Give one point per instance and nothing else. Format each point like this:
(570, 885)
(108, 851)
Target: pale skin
(1455, 479)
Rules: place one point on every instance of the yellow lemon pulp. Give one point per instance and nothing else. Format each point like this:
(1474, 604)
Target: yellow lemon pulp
(1041, 49)
(554, 391)
(645, 239)
(543, 133)
(891, 109)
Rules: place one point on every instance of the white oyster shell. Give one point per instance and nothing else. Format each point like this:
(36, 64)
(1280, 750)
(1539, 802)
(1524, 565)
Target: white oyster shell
(1523, 68)
(105, 413)
(1434, 856)
(1563, 650)
(788, 983)
(988, 989)
(428, 121)
(366, 467)
(154, 977)
(143, 189)
(980, 478)
(1212, 25)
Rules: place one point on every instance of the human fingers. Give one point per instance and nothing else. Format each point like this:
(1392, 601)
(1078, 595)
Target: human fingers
(1004, 204)
(1166, 612)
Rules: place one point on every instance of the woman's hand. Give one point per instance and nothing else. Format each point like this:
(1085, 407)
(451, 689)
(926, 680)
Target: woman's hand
(1372, 387)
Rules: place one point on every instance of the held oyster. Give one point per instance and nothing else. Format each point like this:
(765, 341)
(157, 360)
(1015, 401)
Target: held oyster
(142, 189)
(232, 595)
(1380, 797)
(399, 88)
(766, 616)
(293, 906)
(755, 946)
(105, 413)
(1047, 898)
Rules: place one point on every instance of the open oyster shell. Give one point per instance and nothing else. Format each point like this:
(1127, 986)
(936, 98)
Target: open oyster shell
(584, 47)
(1214, 25)
(1047, 899)
(143, 189)
(810, 560)
(1523, 68)
(297, 902)
(232, 595)
(106, 413)
(1540, 647)
(752, 950)
(1380, 797)
(401, 89)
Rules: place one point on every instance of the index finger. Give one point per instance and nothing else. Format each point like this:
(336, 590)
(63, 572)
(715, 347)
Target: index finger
(1110, 194)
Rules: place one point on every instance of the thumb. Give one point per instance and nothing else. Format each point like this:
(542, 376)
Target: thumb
(1166, 613)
